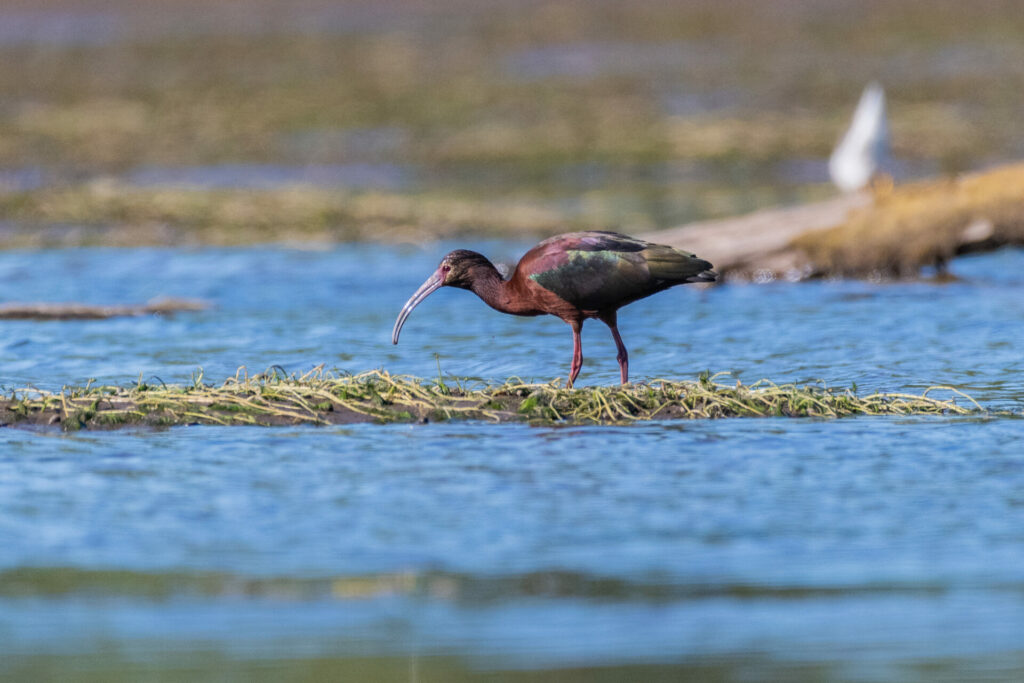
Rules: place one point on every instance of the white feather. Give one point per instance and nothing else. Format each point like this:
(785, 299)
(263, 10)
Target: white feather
(865, 148)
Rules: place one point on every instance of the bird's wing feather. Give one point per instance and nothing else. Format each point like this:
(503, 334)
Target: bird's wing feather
(597, 271)
(675, 265)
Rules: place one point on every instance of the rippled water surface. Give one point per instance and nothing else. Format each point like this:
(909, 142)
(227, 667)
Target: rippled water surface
(858, 549)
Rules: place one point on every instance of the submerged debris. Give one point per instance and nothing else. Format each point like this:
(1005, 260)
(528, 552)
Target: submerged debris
(75, 311)
(320, 397)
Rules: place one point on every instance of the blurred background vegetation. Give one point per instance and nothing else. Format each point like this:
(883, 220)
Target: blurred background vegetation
(178, 121)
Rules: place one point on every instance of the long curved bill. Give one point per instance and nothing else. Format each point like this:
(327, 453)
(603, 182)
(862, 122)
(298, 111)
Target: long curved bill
(433, 283)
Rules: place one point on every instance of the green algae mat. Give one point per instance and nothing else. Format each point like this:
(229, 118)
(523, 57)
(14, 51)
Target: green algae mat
(323, 398)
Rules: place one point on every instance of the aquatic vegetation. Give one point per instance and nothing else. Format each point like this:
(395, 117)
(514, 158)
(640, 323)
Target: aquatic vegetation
(525, 117)
(110, 213)
(320, 397)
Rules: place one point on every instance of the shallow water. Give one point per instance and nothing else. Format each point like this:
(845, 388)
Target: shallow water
(858, 549)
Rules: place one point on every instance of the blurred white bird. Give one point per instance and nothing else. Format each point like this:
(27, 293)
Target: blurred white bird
(864, 150)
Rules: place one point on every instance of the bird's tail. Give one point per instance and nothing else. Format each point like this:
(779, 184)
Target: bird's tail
(704, 276)
(676, 265)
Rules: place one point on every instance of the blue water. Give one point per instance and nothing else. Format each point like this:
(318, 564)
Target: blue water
(856, 549)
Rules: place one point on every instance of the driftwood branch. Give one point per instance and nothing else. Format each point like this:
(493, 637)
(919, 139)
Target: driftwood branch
(891, 233)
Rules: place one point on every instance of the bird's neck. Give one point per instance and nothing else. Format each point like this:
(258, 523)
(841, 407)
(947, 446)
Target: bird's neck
(487, 284)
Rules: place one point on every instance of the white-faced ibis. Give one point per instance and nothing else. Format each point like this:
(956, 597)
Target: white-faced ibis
(574, 276)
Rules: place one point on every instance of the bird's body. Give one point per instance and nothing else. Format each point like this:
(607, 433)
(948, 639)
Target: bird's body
(573, 276)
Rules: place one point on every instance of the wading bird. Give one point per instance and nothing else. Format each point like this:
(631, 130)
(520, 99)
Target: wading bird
(574, 276)
(863, 152)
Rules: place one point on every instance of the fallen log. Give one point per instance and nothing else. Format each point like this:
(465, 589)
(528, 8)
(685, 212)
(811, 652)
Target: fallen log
(886, 233)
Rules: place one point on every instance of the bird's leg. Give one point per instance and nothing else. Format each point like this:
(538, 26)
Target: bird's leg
(622, 357)
(577, 352)
(611, 321)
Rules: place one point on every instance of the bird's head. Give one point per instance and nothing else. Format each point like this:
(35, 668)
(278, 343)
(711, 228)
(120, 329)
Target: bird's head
(457, 269)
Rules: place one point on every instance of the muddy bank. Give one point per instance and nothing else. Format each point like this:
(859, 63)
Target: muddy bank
(110, 213)
(888, 233)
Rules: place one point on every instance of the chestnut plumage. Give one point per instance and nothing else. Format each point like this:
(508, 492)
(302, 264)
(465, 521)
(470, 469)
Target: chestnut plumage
(574, 276)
